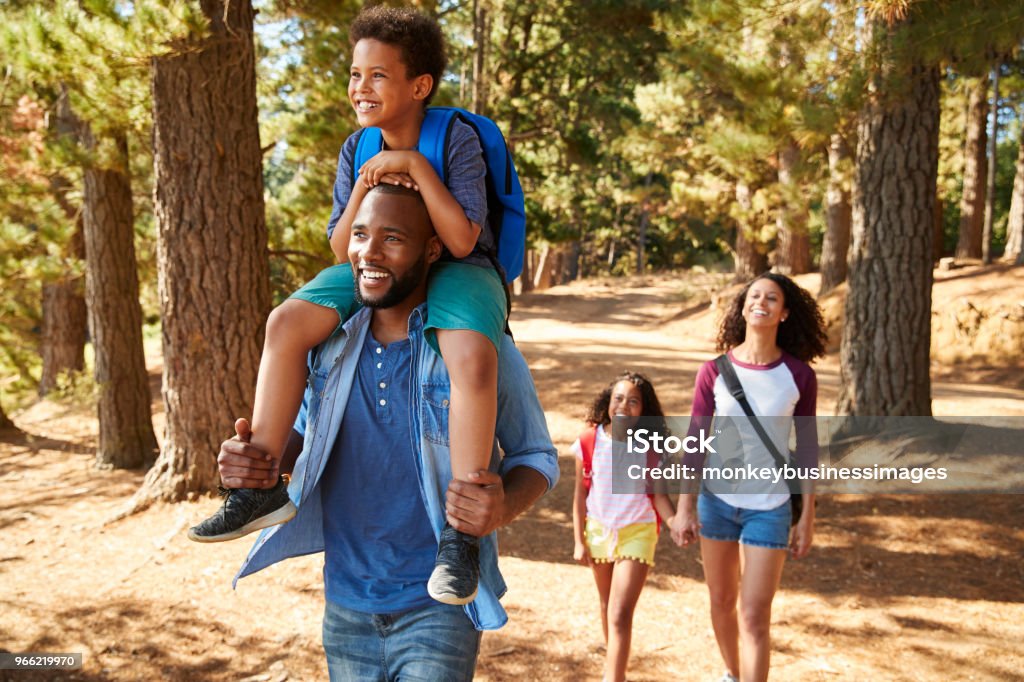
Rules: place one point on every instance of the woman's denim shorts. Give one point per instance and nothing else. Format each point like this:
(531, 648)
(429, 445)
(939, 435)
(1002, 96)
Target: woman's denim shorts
(757, 527)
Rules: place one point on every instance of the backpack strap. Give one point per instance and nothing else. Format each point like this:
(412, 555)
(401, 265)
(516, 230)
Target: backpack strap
(436, 137)
(588, 441)
(369, 143)
(732, 383)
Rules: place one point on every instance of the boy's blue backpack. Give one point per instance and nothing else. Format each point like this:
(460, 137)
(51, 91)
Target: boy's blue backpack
(506, 208)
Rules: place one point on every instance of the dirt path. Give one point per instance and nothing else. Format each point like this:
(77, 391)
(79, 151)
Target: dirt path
(896, 588)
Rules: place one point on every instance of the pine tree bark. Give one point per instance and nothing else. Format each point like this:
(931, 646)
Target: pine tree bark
(838, 216)
(526, 277)
(65, 319)
(972, 203)
(939, 234)
(63, 338)
(748, 255)
(884, 353)
(793, 249)
(481, 45)
(1015, 223)
(115, 317)
(212, 245)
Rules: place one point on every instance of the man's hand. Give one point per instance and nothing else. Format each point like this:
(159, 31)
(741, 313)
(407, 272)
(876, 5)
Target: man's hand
(390, 167)
(476, 507)
(243, 465)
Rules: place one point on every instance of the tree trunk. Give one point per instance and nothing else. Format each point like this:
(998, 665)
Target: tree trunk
(1015, 224)
(64, 331)
(558, 267)
(572, 261)
(838, 216)
(481, 44)
(886, 337)
(115, 316)
(972, 204)
(64, 314)
(543, 277)
(939, 234)
(990, 189)
(212, 245)
(645, 216)
(525, 280)
(793, 250)
(749, 256)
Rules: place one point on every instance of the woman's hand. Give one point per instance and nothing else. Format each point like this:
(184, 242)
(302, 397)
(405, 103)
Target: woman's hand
(802, 536)
(581, 554)
(684, 526)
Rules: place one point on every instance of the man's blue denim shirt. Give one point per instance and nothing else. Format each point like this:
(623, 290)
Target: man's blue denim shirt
(521, 430)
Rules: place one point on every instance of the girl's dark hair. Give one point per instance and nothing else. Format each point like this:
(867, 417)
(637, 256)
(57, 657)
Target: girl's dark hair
(417, 36)
(598, 412)
(802, 334)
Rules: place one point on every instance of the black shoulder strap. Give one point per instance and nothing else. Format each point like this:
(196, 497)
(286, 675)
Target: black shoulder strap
(732, 382)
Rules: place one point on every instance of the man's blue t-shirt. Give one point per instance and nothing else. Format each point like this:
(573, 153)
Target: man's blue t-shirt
(379, 545)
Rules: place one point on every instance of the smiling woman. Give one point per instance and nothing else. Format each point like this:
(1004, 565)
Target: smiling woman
(772, 329)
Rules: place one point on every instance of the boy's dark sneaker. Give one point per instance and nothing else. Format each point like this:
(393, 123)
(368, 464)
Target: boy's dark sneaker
(457, 568)
(245, 510)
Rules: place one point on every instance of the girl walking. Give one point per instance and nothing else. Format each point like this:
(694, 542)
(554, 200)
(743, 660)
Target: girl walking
(771, 331)
(615, 534)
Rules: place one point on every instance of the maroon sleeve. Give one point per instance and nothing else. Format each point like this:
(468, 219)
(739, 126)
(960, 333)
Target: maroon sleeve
(804, 412)
(703, 408)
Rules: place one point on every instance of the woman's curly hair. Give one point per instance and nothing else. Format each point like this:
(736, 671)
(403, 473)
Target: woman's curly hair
(802, 334)
(598, 412)
(417, 36)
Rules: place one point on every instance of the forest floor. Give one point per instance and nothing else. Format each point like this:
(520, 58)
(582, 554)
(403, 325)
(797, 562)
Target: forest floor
(923, 587)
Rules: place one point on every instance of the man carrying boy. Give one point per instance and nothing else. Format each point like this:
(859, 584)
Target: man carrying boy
(398, 58)
(373, 482)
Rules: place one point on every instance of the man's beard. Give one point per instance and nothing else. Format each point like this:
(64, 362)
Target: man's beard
(400, 288)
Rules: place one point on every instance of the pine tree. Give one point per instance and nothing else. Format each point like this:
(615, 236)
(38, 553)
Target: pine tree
(842, 139)
(1015, 225)
(972, 206)
(65, 51)
(212, 259)
(115, 316)
(65, 319)
(839, 217)
(888, 309)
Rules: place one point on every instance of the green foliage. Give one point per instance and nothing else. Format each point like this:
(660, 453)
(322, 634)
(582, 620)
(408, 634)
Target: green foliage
(96, 54)
(31, 236)
(619, 113)
(76, 388)
(562, 75)
(302, 85)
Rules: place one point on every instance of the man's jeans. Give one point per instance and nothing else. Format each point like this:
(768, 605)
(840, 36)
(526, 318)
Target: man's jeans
(437, 643)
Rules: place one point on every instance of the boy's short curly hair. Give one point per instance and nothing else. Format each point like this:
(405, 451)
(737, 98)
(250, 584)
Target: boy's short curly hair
(417, 36)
